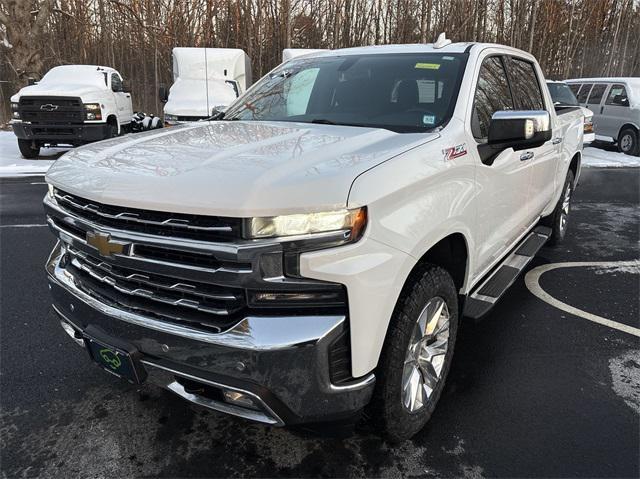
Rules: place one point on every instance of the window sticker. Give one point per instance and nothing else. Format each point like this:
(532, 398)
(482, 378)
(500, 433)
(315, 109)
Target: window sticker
(428, 66)
(428, 119)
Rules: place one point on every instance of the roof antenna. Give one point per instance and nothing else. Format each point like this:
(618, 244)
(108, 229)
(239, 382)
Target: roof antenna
(442, 41)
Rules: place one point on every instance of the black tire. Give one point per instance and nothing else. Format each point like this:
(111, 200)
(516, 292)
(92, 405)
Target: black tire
(558, 221)
(112, 130)
(27, 150)
(387, 408)
(628, 142)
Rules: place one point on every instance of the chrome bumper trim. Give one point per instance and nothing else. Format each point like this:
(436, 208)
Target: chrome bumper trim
(251, 333)
(165, 378)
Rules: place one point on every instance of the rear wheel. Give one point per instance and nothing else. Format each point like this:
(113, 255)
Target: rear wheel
(628, 142)
(27, 149)
(417, 355)
(558, 221)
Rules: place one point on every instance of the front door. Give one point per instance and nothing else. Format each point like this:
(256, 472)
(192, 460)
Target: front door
(123, 99)
(615, 112)
(503, 187)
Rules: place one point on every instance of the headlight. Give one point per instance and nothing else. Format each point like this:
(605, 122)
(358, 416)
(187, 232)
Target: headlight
(170, 118)
(351, 223)
(92, 111)
(14, 110)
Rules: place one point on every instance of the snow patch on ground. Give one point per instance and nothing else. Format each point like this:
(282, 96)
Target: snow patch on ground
(625, 378)
(596, 157)
(12, 163)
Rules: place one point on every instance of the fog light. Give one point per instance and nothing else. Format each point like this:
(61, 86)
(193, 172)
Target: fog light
(91, 116)
(239, 399)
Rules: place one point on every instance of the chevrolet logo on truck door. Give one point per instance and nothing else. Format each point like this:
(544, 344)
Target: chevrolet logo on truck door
(103, 243)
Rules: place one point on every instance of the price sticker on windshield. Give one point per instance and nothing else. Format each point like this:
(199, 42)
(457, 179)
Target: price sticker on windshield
(428, 66)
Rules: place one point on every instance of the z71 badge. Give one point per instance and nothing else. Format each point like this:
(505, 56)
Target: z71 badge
(454, 152)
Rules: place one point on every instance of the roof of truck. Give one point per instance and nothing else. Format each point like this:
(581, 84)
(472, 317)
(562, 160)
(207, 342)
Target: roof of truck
(460, 47)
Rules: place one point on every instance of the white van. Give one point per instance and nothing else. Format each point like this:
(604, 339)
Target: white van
(204, 80)
(615, 103)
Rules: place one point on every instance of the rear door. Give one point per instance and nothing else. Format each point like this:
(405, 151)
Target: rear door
(526, 87)
(595, 103)
(583, 93)
(615, 111)
(503, 187)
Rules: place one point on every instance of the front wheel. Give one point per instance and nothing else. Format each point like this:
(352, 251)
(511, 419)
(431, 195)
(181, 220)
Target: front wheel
(628, 142)
(27, 149)
(417, 355)
(558, 221)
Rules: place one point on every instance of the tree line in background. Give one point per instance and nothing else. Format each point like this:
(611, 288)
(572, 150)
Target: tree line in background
(570, 38)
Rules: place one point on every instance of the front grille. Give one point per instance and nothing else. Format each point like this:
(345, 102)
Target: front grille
(199, 304)
(51, 110)
(205, 228)
(184, 269)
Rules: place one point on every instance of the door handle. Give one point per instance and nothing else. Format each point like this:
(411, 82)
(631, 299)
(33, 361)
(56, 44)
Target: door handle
(602, 109)
(527, 155)
(556, 140)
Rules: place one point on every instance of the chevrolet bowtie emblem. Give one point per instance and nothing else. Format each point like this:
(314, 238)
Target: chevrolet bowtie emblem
(103, 243)
(48, 107)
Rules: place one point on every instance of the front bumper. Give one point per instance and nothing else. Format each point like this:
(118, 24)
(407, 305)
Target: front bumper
(280, 362)
(57, 133)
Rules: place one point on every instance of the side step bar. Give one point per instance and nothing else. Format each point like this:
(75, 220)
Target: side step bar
(489, 291)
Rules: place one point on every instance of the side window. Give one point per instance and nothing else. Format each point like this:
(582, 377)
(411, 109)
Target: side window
(492, 94)
(596, 94)
(525, 85)
(584, 92)
(116, 82)
(618, 96)
(299, 91)
(575, 88)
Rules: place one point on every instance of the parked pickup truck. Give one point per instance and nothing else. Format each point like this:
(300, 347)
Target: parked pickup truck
(312, 251)
(71, 105)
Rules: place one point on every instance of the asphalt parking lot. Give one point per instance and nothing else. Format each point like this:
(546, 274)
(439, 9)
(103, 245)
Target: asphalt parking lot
(535, 390)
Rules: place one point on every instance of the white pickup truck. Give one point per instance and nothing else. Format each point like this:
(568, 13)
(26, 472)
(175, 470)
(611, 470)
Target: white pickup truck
(71, 105)
(312, 252)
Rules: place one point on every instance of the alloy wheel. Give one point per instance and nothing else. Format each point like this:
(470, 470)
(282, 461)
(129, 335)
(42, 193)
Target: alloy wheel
(425, 357)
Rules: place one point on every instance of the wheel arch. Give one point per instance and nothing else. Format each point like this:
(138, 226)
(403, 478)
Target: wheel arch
(113, 120)
(574, 165)
(450, 253)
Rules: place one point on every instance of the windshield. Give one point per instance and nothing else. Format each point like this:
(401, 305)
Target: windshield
(561, 94)
(400, 92)
(76, 74)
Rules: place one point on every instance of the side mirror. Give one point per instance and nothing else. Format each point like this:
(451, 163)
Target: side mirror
(163, 94)
(515, 129)
(31, 81)
(620, 100)
(126, 86)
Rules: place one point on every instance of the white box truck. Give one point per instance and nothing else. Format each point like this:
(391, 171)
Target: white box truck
(204, 80)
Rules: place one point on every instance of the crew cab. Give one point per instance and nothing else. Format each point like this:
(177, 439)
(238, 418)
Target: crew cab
(71, 105)
(311, 252)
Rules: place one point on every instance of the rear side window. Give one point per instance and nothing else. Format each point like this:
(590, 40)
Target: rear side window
(618, 96)
(492, 94)
(575, 88)
(584, 92)
(525, 85)
(596, 94)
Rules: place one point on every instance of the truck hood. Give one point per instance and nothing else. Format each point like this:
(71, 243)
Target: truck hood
(58, 89)
(230, 168)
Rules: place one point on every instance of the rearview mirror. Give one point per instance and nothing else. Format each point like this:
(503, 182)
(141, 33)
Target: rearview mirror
(163, 94)
(515, 129)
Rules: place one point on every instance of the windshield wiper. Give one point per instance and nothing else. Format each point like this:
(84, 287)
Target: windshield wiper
(323, 121)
